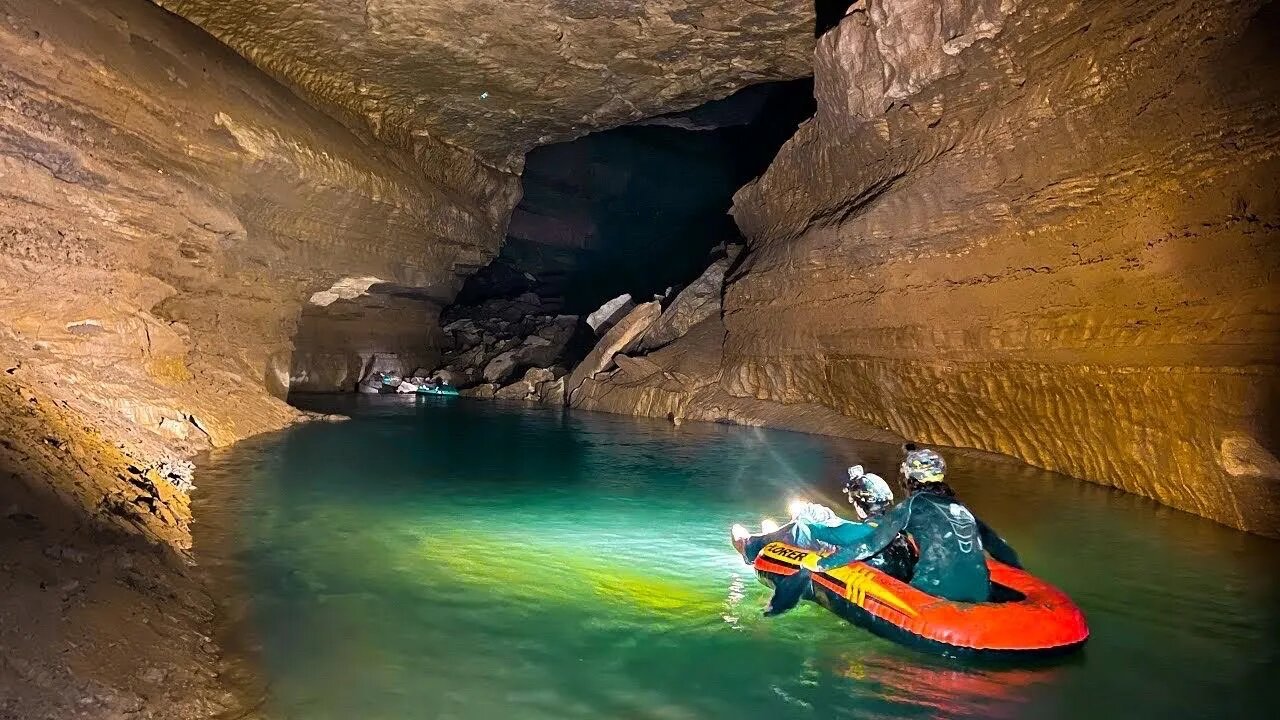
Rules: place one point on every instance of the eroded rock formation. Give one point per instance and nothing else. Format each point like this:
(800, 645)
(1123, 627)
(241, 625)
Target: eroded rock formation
(1039, 228)
(167, 212)
(1042, 229)
(499, 78)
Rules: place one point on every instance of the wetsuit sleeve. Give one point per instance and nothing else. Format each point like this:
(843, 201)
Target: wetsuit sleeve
(871, 539)
(999, 549)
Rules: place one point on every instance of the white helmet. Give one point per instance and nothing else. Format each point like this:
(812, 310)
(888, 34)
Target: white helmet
(867, 491)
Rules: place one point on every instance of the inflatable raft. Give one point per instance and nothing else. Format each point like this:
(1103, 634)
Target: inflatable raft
(1026, 616)
(438, 390)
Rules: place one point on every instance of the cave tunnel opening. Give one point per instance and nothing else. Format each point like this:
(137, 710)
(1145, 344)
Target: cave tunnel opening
(637, 209)
(828, 14)
(640, 209)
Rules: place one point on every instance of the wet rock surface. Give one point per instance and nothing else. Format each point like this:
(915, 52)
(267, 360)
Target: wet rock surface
(683, 381)
(99, 626)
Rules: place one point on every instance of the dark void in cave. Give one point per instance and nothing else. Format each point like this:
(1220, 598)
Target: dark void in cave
(637, 209)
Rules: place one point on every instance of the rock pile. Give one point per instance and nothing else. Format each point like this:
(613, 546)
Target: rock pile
(490, 345)
(649, 326)
(513, 349)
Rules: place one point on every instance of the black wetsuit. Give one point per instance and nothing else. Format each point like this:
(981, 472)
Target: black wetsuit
(951, 543)
(897, 560)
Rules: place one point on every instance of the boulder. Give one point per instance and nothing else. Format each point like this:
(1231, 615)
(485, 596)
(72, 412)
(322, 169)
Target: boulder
(610, 313)
(518, 390)
(541, 352)
(551, 392)
(537, 376)
(697, 302)
(621, 338)
(454, 377)
(529, 299)
(406, 387)
(501, 368)
(485, 391)
(469, 360)
(543, 385)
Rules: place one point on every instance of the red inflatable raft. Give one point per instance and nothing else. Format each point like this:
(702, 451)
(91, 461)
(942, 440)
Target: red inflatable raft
(1025, 617)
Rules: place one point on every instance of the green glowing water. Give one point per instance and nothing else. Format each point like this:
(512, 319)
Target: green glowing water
(440, 558)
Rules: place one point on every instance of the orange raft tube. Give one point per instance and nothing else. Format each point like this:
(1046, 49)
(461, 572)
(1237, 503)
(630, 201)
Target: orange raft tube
(1025, 617)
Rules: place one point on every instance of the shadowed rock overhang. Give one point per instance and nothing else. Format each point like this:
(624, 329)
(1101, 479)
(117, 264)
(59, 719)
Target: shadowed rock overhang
(500, 78)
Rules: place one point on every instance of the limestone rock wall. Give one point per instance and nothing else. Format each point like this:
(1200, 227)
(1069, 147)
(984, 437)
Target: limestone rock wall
(166, 210)
(500, 77)
(1042, 228)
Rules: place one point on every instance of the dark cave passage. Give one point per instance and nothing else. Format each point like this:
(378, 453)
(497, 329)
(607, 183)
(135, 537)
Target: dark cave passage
(638, 208)
(259, 259)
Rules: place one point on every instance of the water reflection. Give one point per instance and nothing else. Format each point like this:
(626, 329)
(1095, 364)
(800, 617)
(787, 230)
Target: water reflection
(460, 560)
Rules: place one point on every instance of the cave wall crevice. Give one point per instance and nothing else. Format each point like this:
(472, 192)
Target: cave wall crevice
(1062, 246)
(1043, 229)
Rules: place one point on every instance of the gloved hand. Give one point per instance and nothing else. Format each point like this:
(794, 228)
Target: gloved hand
(810, 563)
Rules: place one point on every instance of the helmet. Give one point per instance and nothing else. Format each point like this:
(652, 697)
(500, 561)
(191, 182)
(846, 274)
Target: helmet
(923, 465)
(867, 491)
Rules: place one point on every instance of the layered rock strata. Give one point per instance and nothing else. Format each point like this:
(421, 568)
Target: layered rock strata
(1043, 229)
(1040, 229)
(499, 78)
(167, 211)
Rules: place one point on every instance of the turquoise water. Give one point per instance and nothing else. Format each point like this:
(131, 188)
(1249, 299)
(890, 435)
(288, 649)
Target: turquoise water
(452, 559)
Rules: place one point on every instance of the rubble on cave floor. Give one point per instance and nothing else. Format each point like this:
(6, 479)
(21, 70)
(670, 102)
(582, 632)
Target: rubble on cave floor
(491, 346)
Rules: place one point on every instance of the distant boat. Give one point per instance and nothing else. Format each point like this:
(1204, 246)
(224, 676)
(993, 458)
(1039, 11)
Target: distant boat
(437, 390)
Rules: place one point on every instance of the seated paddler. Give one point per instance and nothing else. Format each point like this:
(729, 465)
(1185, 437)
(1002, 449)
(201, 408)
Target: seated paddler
(950, 538)
(871, 498)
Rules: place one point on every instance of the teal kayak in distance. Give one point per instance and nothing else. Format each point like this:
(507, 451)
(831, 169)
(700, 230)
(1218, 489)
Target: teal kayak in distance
(443, 390)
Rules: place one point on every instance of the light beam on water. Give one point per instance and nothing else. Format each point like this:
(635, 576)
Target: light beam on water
(453, 559)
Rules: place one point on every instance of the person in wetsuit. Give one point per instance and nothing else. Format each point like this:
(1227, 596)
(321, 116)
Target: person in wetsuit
(812, 526)
(951, 540)
(817, 527)
(871, 497)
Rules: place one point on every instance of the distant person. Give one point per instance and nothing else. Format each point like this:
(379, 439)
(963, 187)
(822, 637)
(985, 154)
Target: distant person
(949, 537)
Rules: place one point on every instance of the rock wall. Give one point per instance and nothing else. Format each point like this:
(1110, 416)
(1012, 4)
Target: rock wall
(1047, 229)
(499, 78)
(166, 210)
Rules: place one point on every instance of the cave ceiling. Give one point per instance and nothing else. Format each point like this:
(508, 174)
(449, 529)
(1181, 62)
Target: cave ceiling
(500, 77)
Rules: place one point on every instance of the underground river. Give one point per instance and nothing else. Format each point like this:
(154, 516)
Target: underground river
(437, 558)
